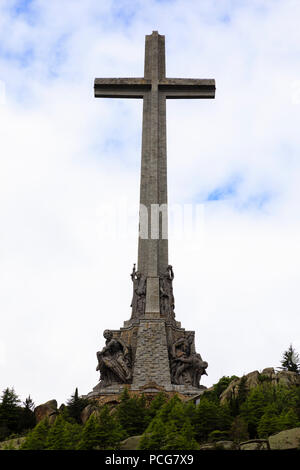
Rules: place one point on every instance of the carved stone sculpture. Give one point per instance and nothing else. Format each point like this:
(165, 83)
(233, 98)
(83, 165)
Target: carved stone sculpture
(139, 293)
(167, 303)
(114, 361)
(186, 366)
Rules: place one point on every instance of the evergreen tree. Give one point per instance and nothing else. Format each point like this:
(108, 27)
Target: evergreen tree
(269, 422)
(75, 405)
(132, 414)
(101, 432)
(155, 405)
(37, 438)
(10, 413)
(210, 416)
(27, 420)
(89, 438)
(235, 403)
(255, 404)
(170, 429)
(288, 420)
(290, 360)
(72, 435)
(239, 430)
(56, 435)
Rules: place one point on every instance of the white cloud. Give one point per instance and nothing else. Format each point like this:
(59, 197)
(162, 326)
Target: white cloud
(65, 155)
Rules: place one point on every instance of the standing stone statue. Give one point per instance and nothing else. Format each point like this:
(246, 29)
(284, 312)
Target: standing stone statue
(114, 361)
(167, 303)
(139, 294)
(186, 366)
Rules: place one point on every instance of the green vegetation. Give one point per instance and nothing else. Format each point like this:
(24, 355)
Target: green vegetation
(290, 360)
(14, 419)
(164, 423)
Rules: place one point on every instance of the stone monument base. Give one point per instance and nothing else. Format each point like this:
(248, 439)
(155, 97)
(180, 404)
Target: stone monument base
(112, 393)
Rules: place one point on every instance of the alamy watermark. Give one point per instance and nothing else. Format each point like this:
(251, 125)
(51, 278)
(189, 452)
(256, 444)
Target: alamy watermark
(156, 221)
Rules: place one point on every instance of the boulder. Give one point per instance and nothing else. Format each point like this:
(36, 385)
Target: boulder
(255, 444)
(46, 410)
(225, 445)
(207, 447)
(255, 378)
(131, 443)
(288, 439)
(219, 445)
(87, 412)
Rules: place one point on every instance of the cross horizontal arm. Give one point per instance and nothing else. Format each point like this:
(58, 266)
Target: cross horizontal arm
(121, 87)
(187, 87)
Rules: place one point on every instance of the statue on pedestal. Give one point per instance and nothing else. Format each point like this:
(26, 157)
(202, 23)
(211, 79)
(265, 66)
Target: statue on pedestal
(114, 361)
(139, 293)
(167, 303)
(186, 366)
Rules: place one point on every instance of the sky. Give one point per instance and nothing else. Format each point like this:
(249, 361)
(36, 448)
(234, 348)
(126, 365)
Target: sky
(69, 183)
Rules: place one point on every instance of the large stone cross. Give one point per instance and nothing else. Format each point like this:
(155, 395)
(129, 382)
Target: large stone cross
(154, 88)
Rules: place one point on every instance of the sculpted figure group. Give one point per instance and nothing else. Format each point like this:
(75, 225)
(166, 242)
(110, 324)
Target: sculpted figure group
(186, 365)
(138, 302)
(114, 361)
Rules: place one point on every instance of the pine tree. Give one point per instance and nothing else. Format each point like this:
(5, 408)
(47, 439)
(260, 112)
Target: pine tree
(206, 419)
(56, 435)
(255, 406)
(239, 430)
(132, 414)
(171, 429)
(10, 413)
(27, 420)
(89, 438)
(288, 420)
(269, 422)
(37, 438)
(72, 435)
(101, 432)
(290, 360)
(75, 405)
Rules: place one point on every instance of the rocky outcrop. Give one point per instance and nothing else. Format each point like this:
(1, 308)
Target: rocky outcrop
(255, 444)
(255, 378)
(219, 445)
(284, 440)
(131, 443)
(46, 410)
(88, 411)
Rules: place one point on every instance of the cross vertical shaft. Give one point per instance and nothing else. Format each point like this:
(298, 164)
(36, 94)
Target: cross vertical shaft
(153, 253)
(154, 88)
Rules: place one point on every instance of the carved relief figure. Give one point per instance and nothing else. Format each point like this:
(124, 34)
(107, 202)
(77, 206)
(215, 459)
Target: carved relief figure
(186, 365)
(167, 303)
(139, 293)
(114, 361)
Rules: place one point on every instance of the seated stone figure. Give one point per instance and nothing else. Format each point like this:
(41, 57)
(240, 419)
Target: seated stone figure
(186, 366)
(114, 362)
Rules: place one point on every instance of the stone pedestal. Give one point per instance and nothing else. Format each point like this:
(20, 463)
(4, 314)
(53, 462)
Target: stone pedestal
(151, 358)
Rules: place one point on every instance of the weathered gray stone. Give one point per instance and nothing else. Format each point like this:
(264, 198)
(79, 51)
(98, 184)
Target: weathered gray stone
(131, 443)
(255, 444)
(152, 359)
(253, 379)
(153, 298)
(46, 410)
(284, 440)
(225, 445)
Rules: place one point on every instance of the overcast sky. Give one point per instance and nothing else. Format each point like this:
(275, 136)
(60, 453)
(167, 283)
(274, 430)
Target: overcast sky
(69, 183)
